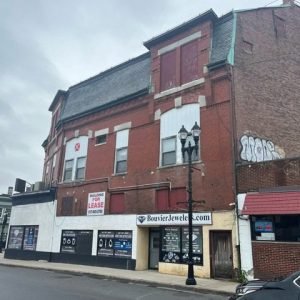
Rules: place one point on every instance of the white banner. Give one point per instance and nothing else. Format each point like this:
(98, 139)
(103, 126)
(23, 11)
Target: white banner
(173, 219)
(96, 203)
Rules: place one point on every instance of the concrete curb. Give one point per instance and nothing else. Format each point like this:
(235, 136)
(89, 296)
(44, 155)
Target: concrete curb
(195, 289)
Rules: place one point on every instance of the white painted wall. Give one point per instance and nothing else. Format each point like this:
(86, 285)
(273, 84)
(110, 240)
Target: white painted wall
(36, 214)
(172, 120)
(95, 223)
(50, 226)
(245, 239)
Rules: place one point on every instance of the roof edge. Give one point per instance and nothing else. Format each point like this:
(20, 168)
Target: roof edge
(111, 70)
(56, 98)
(209, 14)
(264, 7)
(105, 106)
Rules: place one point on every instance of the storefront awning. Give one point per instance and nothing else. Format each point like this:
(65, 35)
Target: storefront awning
(276, 203)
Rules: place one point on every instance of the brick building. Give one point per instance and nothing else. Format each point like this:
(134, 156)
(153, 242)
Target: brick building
(267, 109)
(114, 157)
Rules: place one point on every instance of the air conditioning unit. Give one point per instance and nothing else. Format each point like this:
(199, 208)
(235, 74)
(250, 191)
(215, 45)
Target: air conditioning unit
(39, 186)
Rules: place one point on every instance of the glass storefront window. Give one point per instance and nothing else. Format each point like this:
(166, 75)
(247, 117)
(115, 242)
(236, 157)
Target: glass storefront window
(175, 245)
(285, 228)
(23, 237)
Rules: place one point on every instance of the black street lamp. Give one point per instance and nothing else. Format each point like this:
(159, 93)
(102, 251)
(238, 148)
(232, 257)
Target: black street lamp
(183, 134)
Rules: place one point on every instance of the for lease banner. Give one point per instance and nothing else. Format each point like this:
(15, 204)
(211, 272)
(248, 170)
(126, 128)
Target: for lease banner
(96, 203)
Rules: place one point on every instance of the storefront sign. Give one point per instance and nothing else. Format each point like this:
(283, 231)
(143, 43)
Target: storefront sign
(30, 238)
(123, 243)
(96, 202)
(173, 219)
(68, 243)
(115, 243)
(15, 237)
(106, 243)
(196, 239)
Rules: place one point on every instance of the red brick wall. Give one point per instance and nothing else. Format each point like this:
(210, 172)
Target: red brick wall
(268, 174)
(275, 259)
(203, 53)
(212, 178)
(267, 78)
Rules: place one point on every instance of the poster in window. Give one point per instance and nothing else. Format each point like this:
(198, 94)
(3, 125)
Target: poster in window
(263, 226)
(30, 238)
(15, 237)
(96, 202)
(196, 238)
(171, 239)
(123, 243)
(68, 241)
(171, 244)
(197, 245)
(106, 243)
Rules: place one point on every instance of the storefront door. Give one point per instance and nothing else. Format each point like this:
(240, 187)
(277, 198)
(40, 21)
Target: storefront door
(153, 249)
(221, 254)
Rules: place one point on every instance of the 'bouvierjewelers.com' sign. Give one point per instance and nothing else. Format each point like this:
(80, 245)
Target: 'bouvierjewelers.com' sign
(96, 202)
(173, 219)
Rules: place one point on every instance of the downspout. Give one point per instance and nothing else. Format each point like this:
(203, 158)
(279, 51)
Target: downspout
(230, 60)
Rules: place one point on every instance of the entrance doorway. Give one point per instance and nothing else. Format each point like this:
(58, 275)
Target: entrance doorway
(154, 248)
(221, 254)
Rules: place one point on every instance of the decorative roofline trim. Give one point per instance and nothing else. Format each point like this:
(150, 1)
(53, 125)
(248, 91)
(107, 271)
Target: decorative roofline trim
(210, 15)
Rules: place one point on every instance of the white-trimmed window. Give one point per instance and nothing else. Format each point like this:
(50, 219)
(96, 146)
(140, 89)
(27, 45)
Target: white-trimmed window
(75, 159)
(168, 151)
(170, 123)
(80, 168)
(121, 151)
(101, 139)
(68, 169)
(101, 136)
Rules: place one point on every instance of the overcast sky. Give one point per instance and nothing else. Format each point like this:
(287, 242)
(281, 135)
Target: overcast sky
(51, 45)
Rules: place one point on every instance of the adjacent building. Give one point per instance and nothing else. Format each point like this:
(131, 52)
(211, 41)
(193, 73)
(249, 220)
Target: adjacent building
(115, 178)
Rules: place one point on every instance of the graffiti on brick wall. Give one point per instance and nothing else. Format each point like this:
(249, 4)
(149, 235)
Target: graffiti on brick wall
(255, 149)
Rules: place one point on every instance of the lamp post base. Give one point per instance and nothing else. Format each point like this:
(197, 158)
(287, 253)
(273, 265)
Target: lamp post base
(190, 281)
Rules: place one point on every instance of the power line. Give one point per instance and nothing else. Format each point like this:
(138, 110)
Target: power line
(271, 3)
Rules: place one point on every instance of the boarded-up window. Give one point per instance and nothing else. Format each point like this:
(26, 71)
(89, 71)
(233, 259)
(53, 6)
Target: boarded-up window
(67, 206)
(189, 66)
(117, 205)
(178, 198)
(162, 200)
(168, 70)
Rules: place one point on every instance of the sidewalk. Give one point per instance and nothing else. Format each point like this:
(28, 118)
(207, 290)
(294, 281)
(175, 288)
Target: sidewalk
(153, 278)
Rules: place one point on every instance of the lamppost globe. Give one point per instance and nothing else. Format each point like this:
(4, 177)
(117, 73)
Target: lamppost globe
(183, 134)
(196, 131)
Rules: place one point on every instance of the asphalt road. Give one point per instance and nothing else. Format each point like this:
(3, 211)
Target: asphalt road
(29, 284)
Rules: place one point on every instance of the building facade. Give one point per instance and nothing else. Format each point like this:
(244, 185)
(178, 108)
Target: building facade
(267, 108)
(114, 157)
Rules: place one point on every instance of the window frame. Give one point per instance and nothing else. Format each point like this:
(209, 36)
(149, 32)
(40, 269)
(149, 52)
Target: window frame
(120, 161)
(167, 152)
(78, 169)
(180, 256)
(98, 137)
(65, 169)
